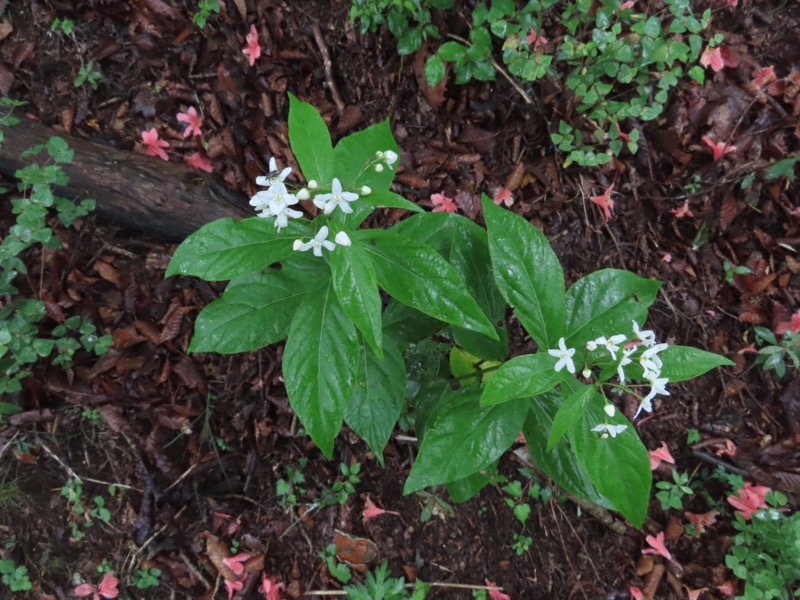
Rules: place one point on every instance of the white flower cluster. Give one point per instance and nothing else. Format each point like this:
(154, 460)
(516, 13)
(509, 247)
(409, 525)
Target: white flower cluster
(387, 156)
(649, 360)
(276, 200)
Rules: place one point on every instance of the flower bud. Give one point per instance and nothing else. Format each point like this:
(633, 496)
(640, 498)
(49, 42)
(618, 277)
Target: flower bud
(587, 373)
(366, 190)
(379, 168)
(591, 346)
(343, 239)
(390, 157)
(303, 194)
(609, 409)
(379, 155)
(313, 184)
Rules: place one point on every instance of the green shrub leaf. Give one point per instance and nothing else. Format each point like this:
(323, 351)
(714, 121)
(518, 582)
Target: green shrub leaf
(310, 141)
(684, 362)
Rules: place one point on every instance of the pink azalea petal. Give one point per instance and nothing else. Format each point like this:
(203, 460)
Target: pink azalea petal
(108, 586)
(84, 589)
(682, 211)
(792, 325)
(712, 57)
(496, 594)
(198, 161)
(233, 586)
(657, 546)
(763, 77)
(271, 589)
(443, 204)
(503, 196)
(660, 454)
(702, 520)
(252, 50)
(605, 202)
(236, 563)
(636, 593)
(371, 511)
(193, 120)
(720, 148)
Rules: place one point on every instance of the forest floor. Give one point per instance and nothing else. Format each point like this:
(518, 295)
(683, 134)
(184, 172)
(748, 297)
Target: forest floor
(203, 450)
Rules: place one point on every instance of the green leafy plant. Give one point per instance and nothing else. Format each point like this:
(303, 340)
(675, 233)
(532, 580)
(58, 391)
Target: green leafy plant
(772, 356)
(204, 10)
(288, 489)
(65, 25)
(349, 359)
(434, 505)
(15, 577)
(83, 516)
(410, 21)
(340, 491)
(617, 63)
(766, 552)
(22, 342)
(520, 544)
(731, 270)
(88, 73)
(379, 585)
(339, 570)
(143, 579)
(672, 494)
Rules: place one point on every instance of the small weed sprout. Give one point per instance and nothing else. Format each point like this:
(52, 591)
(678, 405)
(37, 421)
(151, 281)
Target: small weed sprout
(672, 494)
(143, 579)
(339, 570)
(15, 577)
(772, 356)
(204, 10)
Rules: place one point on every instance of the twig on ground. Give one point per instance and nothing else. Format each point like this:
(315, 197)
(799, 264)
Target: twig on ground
(326, 61)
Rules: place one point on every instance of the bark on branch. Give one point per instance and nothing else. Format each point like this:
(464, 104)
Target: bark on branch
(165, 200)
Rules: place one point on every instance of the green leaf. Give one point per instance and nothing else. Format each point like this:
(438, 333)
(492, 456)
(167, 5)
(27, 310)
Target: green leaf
(464, 438)
(561, 464)
(310, 141)
(684, 362)
(452, 51)
(604, 303)
(619, 468)
(59, 149)
(527, 273)
(521, 377)
(255, 311)
(434, 70)
(388, 199)
(408, 326)
(225, 248)
(356, 287)
(409, 42)
(8, 409)
(418, 276)
(378, 396)
(570, 413)
(783, 168)
(320, 365)
(463, 489)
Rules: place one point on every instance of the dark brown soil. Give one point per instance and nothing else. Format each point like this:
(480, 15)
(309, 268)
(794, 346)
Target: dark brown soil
(197, 443)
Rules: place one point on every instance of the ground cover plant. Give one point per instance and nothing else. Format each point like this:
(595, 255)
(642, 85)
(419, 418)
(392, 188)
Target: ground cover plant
(197, 457)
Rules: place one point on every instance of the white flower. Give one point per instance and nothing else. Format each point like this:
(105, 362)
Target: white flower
(390, 157)
(260, 201)
(609, 430)
(273, 177)
(647, 336)
(651, 362)
(612, 344)
(278, 202)
(658, 388)
(626, 353)
(319, 242)
(609, 409)
(343, 239)
(303, 194)
(564, 356)
(366, 190)
(329, 202)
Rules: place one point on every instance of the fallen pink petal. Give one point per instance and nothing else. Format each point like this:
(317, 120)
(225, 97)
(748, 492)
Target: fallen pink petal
(198, 161)
(792, 325)
(236, 563)
(659, 455)
(442, 203)
(702, 520)
(371, 511)
(720, 149)
(712, 57)
(605, 202)
(682, 211)
(657, 546)
(271, 588)
(153, 145)
(496, 594)
(749, 499)
(252, 48)
(193, 121)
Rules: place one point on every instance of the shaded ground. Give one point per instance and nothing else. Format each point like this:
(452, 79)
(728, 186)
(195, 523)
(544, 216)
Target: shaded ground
(199, 442)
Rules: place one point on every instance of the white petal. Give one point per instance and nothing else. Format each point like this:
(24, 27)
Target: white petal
(349, 196)
(323, 234)
(346, 209)
(273, 165)
(390, 156)
(329, 244)
(336, 186)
